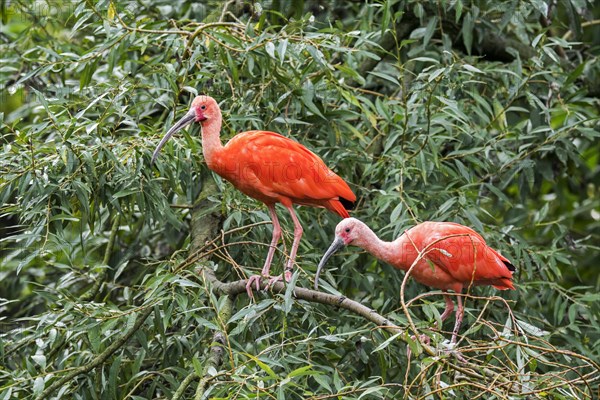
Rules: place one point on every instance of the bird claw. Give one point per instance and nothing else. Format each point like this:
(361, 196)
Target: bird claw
(253, 279)
(278, 278)
(423, 339)
(271, 281)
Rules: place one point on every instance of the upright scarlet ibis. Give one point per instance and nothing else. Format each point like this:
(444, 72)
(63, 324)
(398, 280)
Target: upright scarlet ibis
(453, 257)
(270, 168)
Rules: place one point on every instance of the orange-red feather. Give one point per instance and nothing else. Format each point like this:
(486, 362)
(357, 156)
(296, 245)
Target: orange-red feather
(272, 168)
(456, 257)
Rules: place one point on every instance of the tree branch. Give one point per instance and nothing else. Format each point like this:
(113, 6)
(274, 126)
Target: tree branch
(205, 225)
(183, 385)
(239, 287)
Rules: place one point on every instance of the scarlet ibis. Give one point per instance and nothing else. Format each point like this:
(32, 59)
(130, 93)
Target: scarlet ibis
(453, 257)
(268, 167)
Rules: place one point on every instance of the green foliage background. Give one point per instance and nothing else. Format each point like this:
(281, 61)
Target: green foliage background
(479, 112)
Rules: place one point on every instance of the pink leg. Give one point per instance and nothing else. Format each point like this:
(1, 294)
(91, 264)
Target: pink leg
(449, 308)
(459, 318)
(447, 311)
(276, 236)
(297, 236)
(267, 267)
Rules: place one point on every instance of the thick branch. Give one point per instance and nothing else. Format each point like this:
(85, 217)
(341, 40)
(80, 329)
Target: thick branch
(239, 287)
(206, 223)
(206, 218)
(183, 385)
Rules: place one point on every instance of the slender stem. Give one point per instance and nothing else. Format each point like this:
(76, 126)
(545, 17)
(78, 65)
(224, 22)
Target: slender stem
(569, 33)
(184, 384)
(93, 291)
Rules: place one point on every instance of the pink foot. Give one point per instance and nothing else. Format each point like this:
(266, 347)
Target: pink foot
(272, 280)
(253, 279)
(424, 339)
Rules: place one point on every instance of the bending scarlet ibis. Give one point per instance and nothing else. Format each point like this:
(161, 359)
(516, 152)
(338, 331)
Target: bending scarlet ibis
(453, 257)
(268, 167)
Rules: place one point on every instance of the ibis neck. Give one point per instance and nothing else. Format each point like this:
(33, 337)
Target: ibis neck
(211, 140)
(399, 253)
(382, 250)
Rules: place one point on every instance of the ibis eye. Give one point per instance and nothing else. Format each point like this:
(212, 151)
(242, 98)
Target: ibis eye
(347, 230)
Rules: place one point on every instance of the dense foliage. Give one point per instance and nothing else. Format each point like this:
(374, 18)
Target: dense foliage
(478, 112)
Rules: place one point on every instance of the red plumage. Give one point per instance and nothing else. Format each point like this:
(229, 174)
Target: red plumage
(274, 169)
(460, 254)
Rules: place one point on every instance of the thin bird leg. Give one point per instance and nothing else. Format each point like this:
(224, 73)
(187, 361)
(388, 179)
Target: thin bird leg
(459, 317)
(297, 236)
(276, 236)
(267, 267)
(449, 307)
(447, 311)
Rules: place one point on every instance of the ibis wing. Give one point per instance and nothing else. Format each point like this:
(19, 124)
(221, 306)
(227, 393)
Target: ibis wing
(464, 254)
(280, 166)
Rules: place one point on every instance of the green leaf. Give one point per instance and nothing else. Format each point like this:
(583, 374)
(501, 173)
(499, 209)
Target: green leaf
(385, 76)
(112, 377)
(86, 75)
(288, 298)
(574, 19)
(471, 68)
(270, 49)
(467, 31)
(264, 367)
(197, 366)
(531, 329)
(302, 371)
(93, 334)
(38, 385)
(387, 342)
(414, 346)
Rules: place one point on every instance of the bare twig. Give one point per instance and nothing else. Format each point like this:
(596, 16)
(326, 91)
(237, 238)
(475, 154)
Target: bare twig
(586, 24)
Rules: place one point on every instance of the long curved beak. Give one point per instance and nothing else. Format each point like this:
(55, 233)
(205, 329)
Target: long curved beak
(179, 125)
(337, 244)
